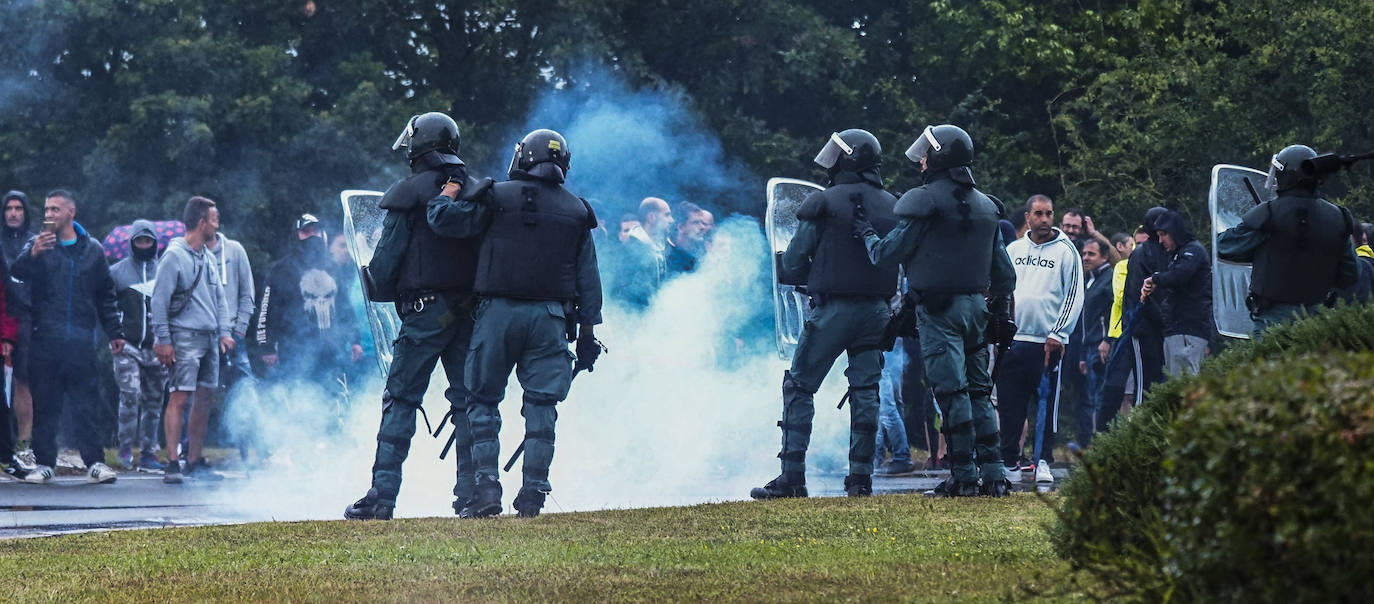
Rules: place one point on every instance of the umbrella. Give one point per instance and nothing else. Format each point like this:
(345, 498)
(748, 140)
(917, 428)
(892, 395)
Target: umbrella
(116, 244)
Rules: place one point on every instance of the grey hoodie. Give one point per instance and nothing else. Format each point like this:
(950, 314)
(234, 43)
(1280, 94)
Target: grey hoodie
(128, 272)
(237, 278)
(206, 310)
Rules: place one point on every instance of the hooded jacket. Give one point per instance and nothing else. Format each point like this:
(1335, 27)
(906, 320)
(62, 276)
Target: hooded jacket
(135, 307)
(1187, 309)
(1148, 258)
(205, 309)
(303, 308)
(72, 292)
(12, 242)
(1049, 288)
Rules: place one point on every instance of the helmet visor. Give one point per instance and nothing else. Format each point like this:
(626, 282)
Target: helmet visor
(1275, 167)
(924, 145)
(831, 152)
(515, 158)
(404, 139)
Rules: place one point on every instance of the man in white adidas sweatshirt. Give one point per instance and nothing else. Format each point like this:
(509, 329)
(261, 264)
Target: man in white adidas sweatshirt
(1049, 299)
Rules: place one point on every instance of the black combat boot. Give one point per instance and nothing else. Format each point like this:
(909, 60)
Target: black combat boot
(367, 508)
(995, 488)
(485, 502)
(787, 484)
(951, 488)
(528, 502)
(459, 504)
(858, 485)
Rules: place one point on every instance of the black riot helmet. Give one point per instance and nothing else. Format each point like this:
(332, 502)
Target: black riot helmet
(427, 132)
(945, 146)
(542, 146)
(853, 150)
(1285, 169)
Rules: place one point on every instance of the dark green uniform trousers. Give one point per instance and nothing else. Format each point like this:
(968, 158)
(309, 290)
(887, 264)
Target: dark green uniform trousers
(530, 337)
(840, 325)
(1282, 313)
(440, 331)
(954, 351)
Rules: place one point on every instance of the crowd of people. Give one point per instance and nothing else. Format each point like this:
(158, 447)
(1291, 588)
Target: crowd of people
(183, 321)
(1000, 317)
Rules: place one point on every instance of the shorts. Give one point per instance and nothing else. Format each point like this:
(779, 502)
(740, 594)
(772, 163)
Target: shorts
(197, 366)
(19, 360)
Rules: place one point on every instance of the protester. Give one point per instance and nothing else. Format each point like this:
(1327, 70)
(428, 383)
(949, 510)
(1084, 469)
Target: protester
(192, 326)
(688, 245)
(1092, 331)
(1188, 306)
(72, 301)
(14, 236)
(891, 428)
(1049, 299)
(643, 260)
(140, 376)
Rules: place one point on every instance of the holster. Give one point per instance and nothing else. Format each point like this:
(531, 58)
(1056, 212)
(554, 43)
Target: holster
(1258, 304)
(570, 321)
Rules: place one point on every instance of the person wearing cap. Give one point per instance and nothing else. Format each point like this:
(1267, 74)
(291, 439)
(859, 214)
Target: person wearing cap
(304, 335)
(141, 378)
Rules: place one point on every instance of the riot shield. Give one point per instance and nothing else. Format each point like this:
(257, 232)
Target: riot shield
(1229, 200)
(785, 196)
(362, 226)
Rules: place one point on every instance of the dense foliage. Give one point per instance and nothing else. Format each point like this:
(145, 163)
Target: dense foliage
(273, 107)
(1165, 505)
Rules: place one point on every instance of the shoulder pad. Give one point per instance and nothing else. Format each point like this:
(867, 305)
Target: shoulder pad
(400, 196)
(474, 188)
(1257, 217)
(813, 208)
(1001, 207)
(916, 203)
(592, 222)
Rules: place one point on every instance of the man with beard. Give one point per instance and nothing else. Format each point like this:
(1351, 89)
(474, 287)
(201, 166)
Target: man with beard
(1188, 281)
(644, 261)
(302, 333)
(1300, 244)
(430, 278)
(849, 309)
(13, 237)
(947, 237)
(73, 300)
(141, 378)
(538, 279)
(687, 247)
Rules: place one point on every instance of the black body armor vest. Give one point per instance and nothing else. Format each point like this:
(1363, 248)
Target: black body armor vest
(431, 262)
(840, 264)
(1307, 238)
(955, 255)
(530, 250)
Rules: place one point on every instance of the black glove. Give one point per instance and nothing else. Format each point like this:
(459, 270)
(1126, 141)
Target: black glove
(1001, 328)
(862, 227)
(588, 349)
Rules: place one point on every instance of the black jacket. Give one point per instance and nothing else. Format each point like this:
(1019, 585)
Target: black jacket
(303, 309)
(1148, 258)
(1097, 312)
(72, 292)
(12, 242)
(1187, 280)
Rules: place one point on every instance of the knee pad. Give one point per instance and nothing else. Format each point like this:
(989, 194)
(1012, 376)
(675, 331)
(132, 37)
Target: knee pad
(991, 439)
(802, 428)
(540, 400)
(544, 436)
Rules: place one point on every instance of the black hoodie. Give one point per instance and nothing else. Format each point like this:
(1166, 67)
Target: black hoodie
(12, 242)
(1148, 258)
(1187, 280)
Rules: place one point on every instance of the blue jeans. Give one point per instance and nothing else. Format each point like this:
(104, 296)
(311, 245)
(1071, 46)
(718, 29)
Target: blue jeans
(891, 428)
(1085, 411)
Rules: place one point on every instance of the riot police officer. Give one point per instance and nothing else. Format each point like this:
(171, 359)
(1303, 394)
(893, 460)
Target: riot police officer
(540, 289)
(1299, 243)
(430, 278)
(849, 310)
(948, 239)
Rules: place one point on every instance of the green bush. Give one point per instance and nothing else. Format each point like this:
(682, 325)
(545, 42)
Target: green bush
(1269, 494)
(1111, 521)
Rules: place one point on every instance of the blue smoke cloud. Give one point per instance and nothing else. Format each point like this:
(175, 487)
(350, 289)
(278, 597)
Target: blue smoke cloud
(630, 144)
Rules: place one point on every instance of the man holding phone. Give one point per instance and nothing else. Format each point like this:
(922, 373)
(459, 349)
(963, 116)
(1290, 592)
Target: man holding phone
(73, 299)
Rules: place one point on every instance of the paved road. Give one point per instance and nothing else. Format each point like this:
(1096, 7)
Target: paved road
(136, 500)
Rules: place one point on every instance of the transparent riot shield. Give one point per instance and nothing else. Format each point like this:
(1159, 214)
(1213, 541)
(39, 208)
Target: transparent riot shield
(785, 196)
(362, 225)
(1228, 200)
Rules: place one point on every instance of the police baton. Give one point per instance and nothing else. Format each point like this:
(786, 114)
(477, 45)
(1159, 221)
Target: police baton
(510, 463)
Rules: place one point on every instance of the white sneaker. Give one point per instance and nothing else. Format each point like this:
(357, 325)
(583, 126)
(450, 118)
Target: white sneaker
(26, 460)
(38, 475)
(101, 474)
(1042, 472)
(1013, 473)
(70, 459)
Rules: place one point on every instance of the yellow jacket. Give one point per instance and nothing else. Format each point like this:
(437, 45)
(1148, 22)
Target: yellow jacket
(1118, 283)
(1365, 251)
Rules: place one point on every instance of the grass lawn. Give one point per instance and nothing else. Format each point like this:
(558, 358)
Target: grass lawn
(896, 547)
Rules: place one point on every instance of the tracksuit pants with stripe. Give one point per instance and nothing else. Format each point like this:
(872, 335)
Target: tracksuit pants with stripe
(1018, 386)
